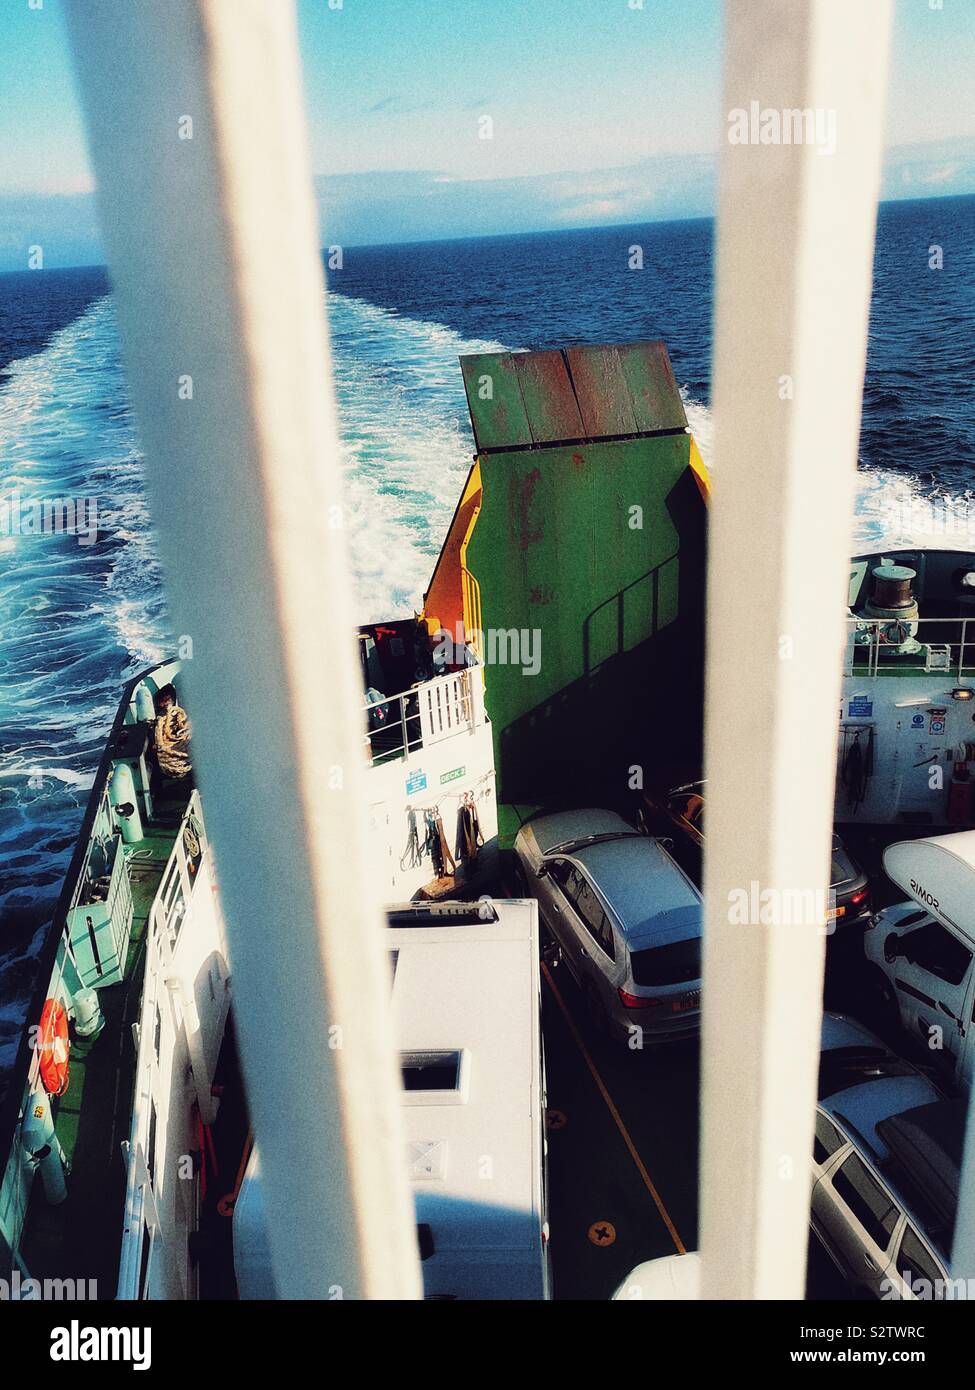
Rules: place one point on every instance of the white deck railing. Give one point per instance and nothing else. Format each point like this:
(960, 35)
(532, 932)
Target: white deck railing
(794, 264)
(424, 715)
(169, 907)
(947, 652)
(151, 1086)
(225, 346)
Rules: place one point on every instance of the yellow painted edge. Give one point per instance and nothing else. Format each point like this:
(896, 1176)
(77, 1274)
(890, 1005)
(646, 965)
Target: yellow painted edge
(700, 471)
(472, 485)
(470, 589)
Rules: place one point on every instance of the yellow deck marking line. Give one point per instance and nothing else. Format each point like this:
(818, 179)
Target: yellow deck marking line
(617, 1117)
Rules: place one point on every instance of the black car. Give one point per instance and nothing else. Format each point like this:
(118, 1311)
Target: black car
(678, 816)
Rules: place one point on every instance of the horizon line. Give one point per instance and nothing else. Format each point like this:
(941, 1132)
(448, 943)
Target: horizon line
(501, 236)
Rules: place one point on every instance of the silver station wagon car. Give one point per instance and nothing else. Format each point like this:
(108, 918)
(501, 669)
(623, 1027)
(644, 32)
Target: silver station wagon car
(886, 1165)
(626, 918)
(887, 1157)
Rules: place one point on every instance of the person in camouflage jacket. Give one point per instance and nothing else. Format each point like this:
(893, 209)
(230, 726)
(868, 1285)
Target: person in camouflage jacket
(171, 736)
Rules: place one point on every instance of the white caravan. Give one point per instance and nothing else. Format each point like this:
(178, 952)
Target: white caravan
(923, 950)
(466, 995)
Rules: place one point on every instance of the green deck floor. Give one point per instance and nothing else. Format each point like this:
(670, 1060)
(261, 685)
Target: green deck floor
(81, 1238)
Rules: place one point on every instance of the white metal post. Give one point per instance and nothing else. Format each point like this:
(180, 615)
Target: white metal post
(197, 133)
(794, 259)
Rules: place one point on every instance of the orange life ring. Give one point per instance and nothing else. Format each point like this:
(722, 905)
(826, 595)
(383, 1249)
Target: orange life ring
(53, 1047)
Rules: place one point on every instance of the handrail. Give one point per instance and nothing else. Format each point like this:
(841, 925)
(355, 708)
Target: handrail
(177, 880)
(794, 256)
(875, 629)
(618, 600)
(427, 713)
(162, 932)
(63, 951)
(250, 534)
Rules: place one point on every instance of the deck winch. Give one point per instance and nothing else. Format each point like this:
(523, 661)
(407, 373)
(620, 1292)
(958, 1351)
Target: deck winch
(890, 615)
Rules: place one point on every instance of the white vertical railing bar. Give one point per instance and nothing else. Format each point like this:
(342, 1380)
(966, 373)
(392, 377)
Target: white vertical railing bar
(794, 258)
(197, 132)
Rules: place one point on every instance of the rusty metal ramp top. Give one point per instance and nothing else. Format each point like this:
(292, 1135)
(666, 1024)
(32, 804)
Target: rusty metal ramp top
(526, 400)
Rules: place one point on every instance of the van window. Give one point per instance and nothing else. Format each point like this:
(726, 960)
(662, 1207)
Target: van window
(915, 1261)
(913, 917)
(933, 948)
(867, 1200)
(593, 917)
(675, 964)
(828, 1139)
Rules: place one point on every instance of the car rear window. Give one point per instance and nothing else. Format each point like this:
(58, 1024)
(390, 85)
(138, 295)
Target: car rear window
(842, 869)
(674, 964)
(843, 1067)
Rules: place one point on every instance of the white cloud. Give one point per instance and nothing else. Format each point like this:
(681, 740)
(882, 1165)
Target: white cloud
(942, 175)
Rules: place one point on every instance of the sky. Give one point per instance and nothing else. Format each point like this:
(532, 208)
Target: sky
(603, 112)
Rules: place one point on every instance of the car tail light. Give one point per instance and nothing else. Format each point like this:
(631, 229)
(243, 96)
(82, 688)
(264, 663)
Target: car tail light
(637, 1001)
(676, 1003)
(861, 897)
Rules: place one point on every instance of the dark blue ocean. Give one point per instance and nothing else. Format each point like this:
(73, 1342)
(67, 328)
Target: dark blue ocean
(76, 621)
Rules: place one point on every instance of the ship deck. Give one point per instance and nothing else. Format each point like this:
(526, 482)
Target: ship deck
(622, 1131)
(623, 1126)
(622, 1154)
(622, 1148)
(81, 1238)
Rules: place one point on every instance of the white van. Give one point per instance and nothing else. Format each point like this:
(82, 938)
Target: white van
(923, 951)
(466, 995)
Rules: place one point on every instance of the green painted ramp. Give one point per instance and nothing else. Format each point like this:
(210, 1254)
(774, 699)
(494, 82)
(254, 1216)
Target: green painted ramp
(590, 546)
